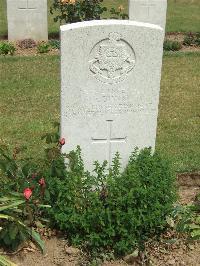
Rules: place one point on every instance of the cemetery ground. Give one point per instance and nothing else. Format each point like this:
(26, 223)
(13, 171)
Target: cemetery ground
(171, 249)
(182, 16)
(29, 105)
(26, 116)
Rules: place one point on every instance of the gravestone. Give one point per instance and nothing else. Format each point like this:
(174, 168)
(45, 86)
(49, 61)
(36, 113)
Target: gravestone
(27, 19)
(110, 81)
(149, 11)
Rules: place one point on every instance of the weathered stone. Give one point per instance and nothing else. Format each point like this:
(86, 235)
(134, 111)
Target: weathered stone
(27, 19)
(110, 81)
(72, 251)
(150, 11)
(171, 262)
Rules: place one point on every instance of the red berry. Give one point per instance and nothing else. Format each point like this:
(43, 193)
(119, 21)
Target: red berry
(27, 193)
(62, 141)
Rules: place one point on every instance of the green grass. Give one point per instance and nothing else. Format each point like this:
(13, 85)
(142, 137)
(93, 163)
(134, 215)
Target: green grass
(182, 15)
(29, 103)
(179, 110)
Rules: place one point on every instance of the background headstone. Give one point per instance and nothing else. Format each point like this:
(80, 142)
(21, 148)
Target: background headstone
(149, 11)
(27, 19)
(110, 81)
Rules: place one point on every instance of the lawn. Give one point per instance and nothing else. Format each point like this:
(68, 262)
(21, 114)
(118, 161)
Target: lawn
(29, 103)
(182, 15)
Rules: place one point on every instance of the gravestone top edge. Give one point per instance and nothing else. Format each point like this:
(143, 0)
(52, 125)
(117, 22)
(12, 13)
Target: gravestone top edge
(106, 22)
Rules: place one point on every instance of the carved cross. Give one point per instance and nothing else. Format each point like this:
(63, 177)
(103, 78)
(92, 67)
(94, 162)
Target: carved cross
(27, 6)
(148, 6)
(109, 140)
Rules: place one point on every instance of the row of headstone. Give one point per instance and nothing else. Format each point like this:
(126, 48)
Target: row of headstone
(28, 18)
(110, 76)
(110, 83)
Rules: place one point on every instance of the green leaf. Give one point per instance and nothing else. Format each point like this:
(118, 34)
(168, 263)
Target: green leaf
(11, 205)
(7, 217)
(194, 226)
(37, 239)
(196, 233)
(5, 262)
(13, 230)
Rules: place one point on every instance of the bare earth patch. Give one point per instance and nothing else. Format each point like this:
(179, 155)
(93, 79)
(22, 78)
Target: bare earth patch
(176, 36)
(32, 51)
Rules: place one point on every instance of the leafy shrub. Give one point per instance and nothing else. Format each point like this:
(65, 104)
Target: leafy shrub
(13, 230)
(192, 39)
(109, 210)
(27, 43)
(171, 45)
(105, 210)
(197, 39)
(186, 219)
(77, 10)
(119, 14)
(43, 48)
(7, 48)
(189, 39)
(55, 44)
(21, 198)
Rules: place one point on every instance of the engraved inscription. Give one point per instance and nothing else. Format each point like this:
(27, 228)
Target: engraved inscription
(112, 59)
(99, 110)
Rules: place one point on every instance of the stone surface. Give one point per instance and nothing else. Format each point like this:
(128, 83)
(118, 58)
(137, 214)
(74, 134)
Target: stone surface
(150, 11)
(110, 81)
(27, 19)
(72, 251)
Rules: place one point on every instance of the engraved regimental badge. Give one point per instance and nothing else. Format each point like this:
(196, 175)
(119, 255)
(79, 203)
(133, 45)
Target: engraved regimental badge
(112, 59)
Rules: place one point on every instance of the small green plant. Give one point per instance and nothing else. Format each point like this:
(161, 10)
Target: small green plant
(189, 39)
(21, 198)
(171, 45)
(55, 44)
(70, 11)
(197, 39)
(119, 14)
(192, 39)
(13, 230)
(186, 219)
(7, 48)
(43, 48)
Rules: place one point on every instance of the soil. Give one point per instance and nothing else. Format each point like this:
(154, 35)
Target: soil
(32, 51)
(173, 249)
(169, 36)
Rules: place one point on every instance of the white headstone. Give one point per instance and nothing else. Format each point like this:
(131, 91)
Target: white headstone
(110, 82)
(150, 11)
(27, 19)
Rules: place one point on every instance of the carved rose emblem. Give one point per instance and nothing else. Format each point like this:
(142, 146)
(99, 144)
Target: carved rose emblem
(114, 59)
